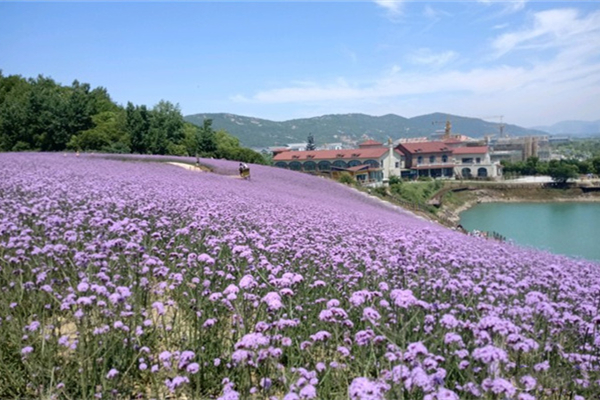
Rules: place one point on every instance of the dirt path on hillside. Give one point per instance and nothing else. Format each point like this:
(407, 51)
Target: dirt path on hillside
(190, 167)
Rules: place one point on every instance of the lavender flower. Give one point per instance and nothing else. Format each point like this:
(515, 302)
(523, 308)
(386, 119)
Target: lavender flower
(112, 373)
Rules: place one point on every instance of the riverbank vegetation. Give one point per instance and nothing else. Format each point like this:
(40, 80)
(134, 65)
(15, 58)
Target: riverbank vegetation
(560, 170)
(42, 115)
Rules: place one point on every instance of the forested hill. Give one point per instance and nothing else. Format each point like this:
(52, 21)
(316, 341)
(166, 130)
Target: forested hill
(42, 115)
(255, 132)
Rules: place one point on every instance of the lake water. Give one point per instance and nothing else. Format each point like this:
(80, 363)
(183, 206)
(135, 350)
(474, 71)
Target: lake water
(564, 228)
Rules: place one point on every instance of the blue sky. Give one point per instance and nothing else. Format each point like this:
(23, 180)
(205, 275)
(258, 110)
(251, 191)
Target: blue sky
(533, 62)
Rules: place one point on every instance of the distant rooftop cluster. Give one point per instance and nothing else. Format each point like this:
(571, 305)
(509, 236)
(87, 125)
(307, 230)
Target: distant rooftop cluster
(442, 155)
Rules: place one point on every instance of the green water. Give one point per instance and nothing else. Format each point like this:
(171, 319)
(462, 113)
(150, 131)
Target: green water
(564, 228)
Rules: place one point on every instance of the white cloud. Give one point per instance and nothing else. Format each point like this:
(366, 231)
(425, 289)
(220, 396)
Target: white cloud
(511, 5)
(431, 58)
(564, 83)
(561, 28)
(434, 13)
(393, 7)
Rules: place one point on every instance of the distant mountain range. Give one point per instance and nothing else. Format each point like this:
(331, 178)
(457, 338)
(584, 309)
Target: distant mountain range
(576, 128)
(350, 128)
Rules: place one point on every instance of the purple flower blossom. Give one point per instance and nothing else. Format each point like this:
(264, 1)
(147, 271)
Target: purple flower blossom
(528, 382)
(403, 298)
(489, 354)
(26, 350)
(83, 287)
(273, 301)
(159, 307)
(193, 368)
(499, 386)
(364, 389)
(370, 314)
(173, 384)
(252, 341)
(543, 366)
(308, 392)
(320, 336)
(165, 356)
(247, 282)
(33, 326)
(112, 373)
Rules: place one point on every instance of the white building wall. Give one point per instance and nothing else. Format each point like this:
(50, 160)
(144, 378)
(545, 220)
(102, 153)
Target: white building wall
(492, 169)
(388, 165)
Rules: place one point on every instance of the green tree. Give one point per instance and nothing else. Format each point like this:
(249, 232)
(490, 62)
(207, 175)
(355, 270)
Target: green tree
(596, 165)
(225, 142)
(207, 142)
(166, 127)
(531, 166)
(47, 121)
(562, 172)
(346, 179)
(190, 138)
(310, 145)
(79, 109)
(14, 91)
(108, 134)
(138, 127)
(395, 180)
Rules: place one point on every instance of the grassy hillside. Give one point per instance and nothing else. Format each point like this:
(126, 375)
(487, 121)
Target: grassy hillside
(254, 132)
(124, 279)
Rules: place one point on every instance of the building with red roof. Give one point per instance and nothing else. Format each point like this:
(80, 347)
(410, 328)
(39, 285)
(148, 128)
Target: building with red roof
(372, 163)
(432, 159)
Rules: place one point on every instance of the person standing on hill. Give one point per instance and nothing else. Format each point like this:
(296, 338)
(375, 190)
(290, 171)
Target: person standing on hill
(243, 168)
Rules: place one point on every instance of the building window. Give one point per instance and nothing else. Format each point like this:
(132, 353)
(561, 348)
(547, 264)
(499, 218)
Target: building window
(467, 161)
(340, 164)
(309, 166)
(466, 172)
(431, 159)
(281, 164)
(444, 158)
(324, 166)
(397, 164)
(295, 166)
(420, 160)
(478, 160)
(482, 172)
(353, 163)
(372, 163)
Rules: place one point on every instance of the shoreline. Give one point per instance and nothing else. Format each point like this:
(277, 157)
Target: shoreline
(453, 212)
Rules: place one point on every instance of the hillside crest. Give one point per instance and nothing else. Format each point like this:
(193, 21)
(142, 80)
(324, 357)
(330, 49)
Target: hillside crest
(333, 128)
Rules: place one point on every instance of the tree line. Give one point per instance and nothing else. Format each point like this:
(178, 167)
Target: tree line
(38, 114)
(560, 170)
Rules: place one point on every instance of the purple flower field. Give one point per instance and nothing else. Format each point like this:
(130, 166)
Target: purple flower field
(134, 279)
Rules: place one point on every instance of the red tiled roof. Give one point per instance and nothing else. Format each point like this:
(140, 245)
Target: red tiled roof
(471, 150)
(346, 154)
(370, 142)
(357, 168)
(425, 147)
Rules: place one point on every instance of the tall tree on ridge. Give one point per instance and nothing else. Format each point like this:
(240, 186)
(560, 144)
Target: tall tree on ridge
(310, 145)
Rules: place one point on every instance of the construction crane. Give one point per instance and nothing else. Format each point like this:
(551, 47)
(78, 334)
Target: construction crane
(500, 125)
(447, 128)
